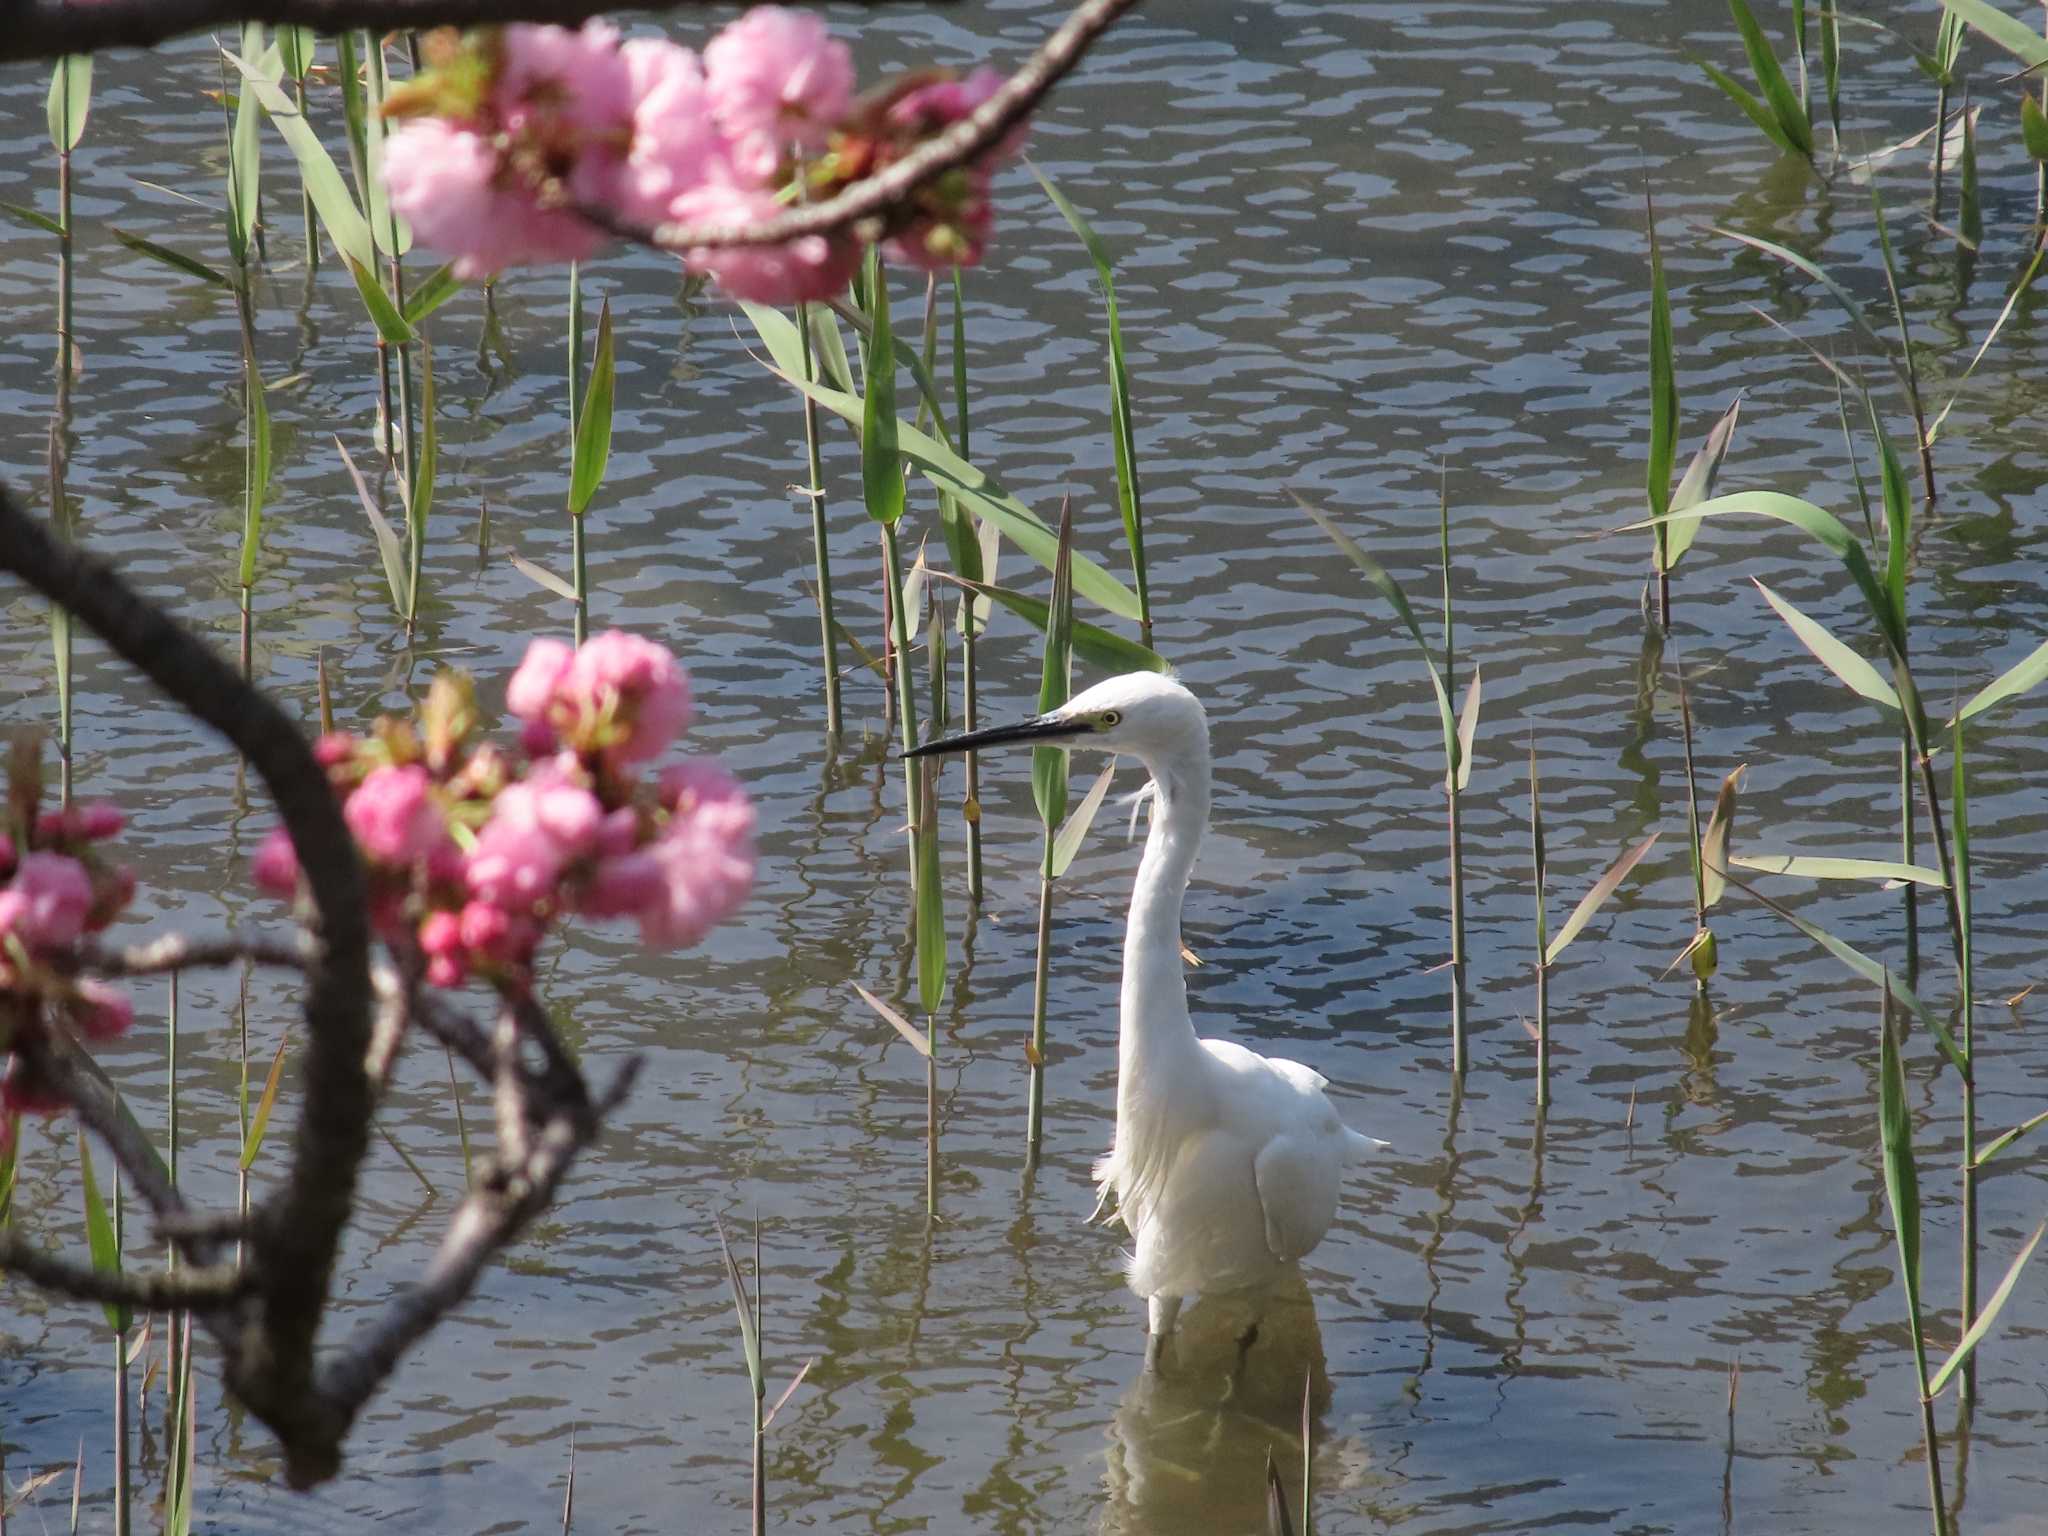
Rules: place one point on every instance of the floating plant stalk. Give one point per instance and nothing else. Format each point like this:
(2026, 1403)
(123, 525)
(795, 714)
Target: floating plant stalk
(70, 101)
(973, 555)
(103, 1239)
(1966, 1039)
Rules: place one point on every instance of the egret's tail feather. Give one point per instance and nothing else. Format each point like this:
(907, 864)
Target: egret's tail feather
(1362, 1146)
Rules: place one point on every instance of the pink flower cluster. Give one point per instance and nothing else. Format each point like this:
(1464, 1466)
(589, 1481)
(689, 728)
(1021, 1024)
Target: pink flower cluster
(516, 131)
(58, 888)
(472, 853)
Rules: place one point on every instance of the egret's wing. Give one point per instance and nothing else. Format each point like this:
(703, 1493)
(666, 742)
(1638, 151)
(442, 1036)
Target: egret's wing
(1297, 1178)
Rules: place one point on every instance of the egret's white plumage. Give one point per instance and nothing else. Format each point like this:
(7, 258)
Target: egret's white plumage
(1226, 1163)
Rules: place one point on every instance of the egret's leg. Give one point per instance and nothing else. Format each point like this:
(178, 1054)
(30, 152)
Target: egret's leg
(1162, 1310)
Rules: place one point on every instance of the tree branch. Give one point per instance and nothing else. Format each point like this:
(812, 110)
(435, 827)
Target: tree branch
(270, 1361)
(158, 1290)
(182, 952)
(507, 1196)
(967, 140)
(48, 29)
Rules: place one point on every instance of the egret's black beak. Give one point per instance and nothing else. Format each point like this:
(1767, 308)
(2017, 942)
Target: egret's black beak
(1045, 728)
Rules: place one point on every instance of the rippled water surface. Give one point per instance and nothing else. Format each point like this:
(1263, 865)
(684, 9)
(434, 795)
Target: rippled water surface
(1357, 242)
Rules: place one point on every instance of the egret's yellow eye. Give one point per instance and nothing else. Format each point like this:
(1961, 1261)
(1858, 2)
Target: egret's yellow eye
(1110, 718)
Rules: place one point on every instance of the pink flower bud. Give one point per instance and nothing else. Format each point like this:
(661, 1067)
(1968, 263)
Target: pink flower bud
(620, 832)
(102, 1012)
(483, 926)
(441, 933)
(113, 889)
(99, 820)
(52, 895)
(334, 749)
(445, 971)
(532, 689)
(393, 815)
(276, 865)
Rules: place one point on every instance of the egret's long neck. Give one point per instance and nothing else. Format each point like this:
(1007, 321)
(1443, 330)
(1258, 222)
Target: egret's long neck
(1155, 1002)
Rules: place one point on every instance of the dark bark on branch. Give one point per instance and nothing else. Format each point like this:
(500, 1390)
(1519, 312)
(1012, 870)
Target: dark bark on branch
(159, 1290)
(270, 1362)
(183, 952)
(48, 29)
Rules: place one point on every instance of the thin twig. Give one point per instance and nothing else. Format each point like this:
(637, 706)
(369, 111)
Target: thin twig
(183, 952)
(158, 1290)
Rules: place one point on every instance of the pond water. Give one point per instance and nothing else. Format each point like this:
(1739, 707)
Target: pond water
(1357, 242)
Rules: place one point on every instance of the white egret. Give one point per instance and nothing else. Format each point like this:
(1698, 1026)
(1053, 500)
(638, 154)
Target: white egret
(1226, 1163)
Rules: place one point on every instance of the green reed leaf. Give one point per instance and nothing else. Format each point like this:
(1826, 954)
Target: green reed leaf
(1663, 394)
(1591, 902)
(1970, 214)
(545, 579)
(1697, 484)
(256, 464)
(32, 219)
(389, 549)
(1714, 841)
(441, 285)
(259, 1122)
(1806, 867)
(346, 228)
(895, 1020)
(177, 260)
(949, 473)
(1988, 1316)
(70, 101)
(1751, 108)
(1852, 669)
(245, 173)
(1093, 644)
(1382, 582)
(1799, 263)
(1901, 1175)
(1794, 131)
(1831, 66)
(743, 1309)
(2014, 36)
(1075, 831)
(881, 465)
(2017, 679)
(99, 1235)
(1056, 685)
(1468, 727)
(594, 421)
(2000, 1142)
(2012, 300)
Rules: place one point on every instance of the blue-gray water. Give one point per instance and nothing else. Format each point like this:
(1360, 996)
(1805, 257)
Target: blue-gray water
(1356, 243)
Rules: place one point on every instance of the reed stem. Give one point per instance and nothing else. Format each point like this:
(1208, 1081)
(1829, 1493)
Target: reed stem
(821, 553)
(121, 1493)
(1034, 1116)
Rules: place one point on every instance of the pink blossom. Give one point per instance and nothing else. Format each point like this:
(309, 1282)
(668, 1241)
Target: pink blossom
(625, 886)
(706, 854)
(954, 236)
(552, 803)
(776, 78)
(620, 832)
(629, 695)
(276, 865)
(6, 851)
(47, 903)
(532, 689)
(334, 749)
(449, 183)
(929, 109)
(810, 269)
(112, 891)
(102, 1012)
(393, 814)
(675, 143)
(79, 823)
(440, 933)
(23, 1092)
(566, 89)
(514, 864)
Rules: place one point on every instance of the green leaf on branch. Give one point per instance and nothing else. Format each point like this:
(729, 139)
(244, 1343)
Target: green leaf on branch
(389, 549)
(2014, 36)
(1592, 901)
(1851, 668)
(391, 325)
(1095, 645)
(441, 285)
(32, 219)
(1808, 867)
(1056, 685)
(70, 101)
(260, 1121)
(881, 465)
(99, 1235)
(1697, 484)
(1901, 1176)
(2020, 678)
(1075, 832)
(1985, 1318)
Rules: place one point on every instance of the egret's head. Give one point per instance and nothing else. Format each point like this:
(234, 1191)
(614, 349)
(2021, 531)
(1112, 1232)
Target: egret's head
(1144, 714)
